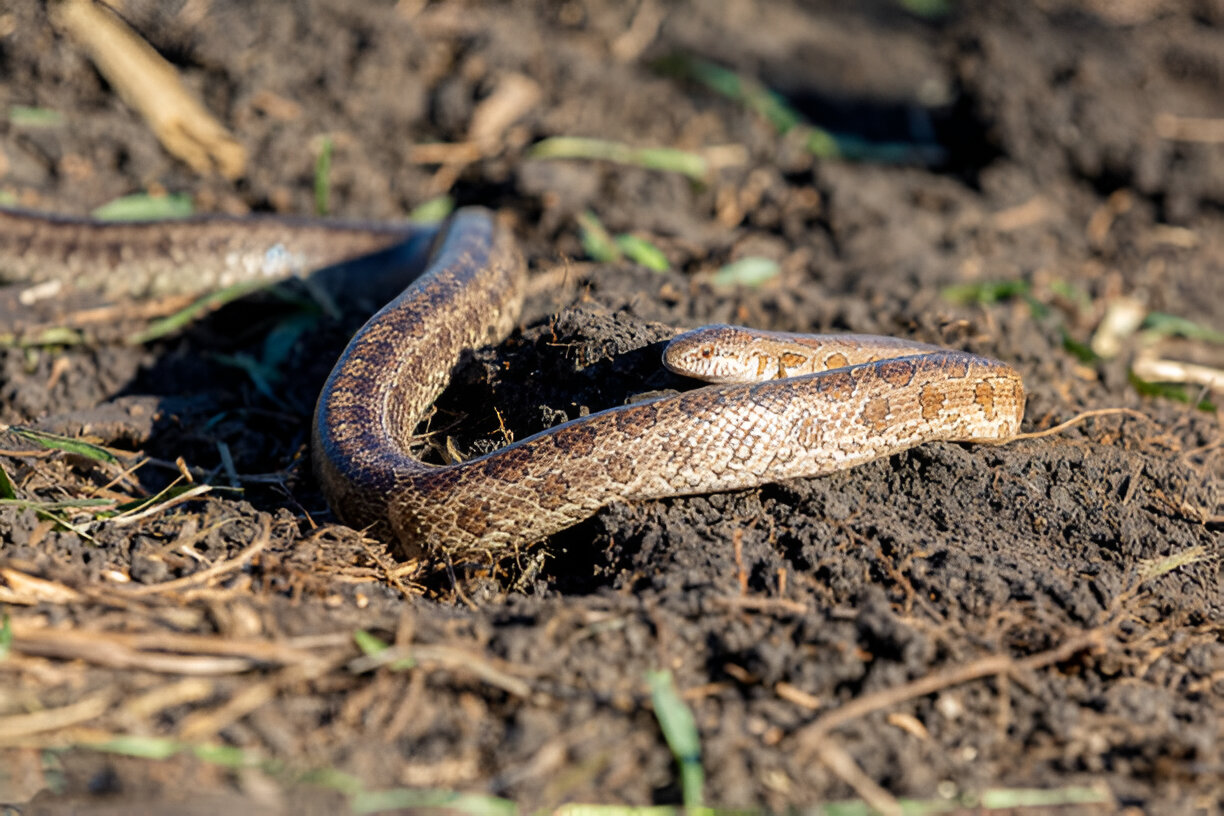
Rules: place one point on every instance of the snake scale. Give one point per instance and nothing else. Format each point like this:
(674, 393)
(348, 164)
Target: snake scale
(824, 403)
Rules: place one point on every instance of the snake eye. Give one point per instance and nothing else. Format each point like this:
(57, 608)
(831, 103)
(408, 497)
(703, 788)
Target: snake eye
(707, 352)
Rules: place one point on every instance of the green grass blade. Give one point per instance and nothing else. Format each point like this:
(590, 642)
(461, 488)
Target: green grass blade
(145, 207)
(369, 644)
(53, 336)
(597, 242)
(927, 9)
(641, 251)
(432, 211)
(680, 731)
(651, 158)
(984, 293)
(783, 117)
(134, 745)
(264, 377)
(1009, 798)
(30, 117)
(186, 316)
(49, 507)
(6, 486)
(1167, 325)
(1180, 393)
(1081, 351)
(322, 177)
(6, 635)
(284, 336)
(228, 756)
(63, 443)
(748, 272)
(405, 799)
(751, 94)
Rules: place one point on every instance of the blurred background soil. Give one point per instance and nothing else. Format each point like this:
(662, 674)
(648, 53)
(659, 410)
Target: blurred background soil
(1011, 178)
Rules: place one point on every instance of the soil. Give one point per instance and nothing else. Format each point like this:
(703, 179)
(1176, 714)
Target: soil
(1057, 601)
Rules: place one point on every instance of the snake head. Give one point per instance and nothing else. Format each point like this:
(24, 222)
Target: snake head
(720, 354)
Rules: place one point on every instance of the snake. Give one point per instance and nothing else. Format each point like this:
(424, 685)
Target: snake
(776, 407)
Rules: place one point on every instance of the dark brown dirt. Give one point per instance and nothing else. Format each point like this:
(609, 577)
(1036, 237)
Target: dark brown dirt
(771, 607)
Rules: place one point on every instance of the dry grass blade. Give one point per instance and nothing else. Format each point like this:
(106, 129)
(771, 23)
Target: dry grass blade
(514, 96)
(457, 660)
(156, 506)
(174, 693)
(150, 85)
(28, 590)
(1189, 128)
(203, 725)
(19, 726)
(1152, 568)
(220, 568)
(109, 649)
(1150, 368)
(165, 652)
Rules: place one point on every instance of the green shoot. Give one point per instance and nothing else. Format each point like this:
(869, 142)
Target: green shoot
(680, 731)
(433, 210)
(748, 272)
(322, 177)
(145, 207)
(651, 158)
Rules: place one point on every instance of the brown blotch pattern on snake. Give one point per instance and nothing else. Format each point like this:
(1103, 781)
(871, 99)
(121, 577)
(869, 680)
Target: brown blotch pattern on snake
(838, 385)
(897, 373)
(837, 360)
(932, 399)
(791, 361)
(637, 420)
(983, 395)
(875, 414)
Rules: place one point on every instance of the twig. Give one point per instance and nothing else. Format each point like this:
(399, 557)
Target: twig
(29, 590)
(1189, 128)
(220, 568)
(151, 85)
(171, 652)
(109, 649)
(758, 604)
(203, 725)
(1078, 418)
(18, 726)
(458, 590)
(809, 737)
(643, 29)
(389, 573)
(839, 761)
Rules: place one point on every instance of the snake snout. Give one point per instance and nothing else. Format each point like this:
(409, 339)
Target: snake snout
(715, 354)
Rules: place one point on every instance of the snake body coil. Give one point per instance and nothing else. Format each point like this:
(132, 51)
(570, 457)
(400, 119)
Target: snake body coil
(854, 398)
